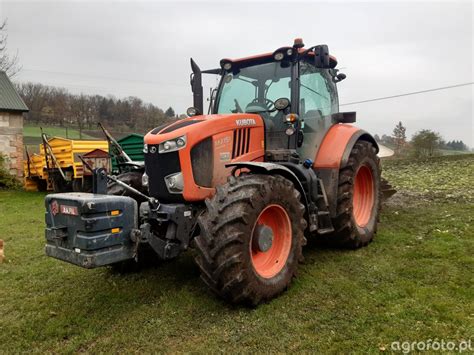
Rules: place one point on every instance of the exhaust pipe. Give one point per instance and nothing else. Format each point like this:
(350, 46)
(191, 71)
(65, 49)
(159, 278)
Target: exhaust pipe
(196, 86)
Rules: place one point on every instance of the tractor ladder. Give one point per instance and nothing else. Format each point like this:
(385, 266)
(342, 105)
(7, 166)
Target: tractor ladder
(324, 218)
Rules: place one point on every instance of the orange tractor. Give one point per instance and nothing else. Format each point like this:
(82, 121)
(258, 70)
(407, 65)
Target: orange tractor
(273, 164)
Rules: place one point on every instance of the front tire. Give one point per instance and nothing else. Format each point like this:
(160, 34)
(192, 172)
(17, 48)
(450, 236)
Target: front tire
(251, 238)
(358, 199)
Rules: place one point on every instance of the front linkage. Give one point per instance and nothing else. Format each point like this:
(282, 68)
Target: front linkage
(92, 230)
(167, 228)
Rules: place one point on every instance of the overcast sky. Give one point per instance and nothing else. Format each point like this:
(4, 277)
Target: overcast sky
(142, 49)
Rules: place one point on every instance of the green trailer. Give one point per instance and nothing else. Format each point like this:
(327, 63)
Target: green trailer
(132, 144)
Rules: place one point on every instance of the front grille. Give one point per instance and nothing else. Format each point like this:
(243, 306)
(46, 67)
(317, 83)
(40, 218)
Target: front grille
(202, 162)
(241, 142)
(158, 166)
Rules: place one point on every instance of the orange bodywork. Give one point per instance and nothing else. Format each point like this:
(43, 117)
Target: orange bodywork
(248, 128)
(332, 147)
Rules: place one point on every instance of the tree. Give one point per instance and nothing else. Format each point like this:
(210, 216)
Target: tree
(399, 137)
(56, 106)
(377, 138)
(8, 64)
(426, 143)
(80, 111)
(170, 112)
(457, 145)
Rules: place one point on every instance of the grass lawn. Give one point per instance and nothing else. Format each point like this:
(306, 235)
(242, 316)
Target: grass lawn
(413, 283)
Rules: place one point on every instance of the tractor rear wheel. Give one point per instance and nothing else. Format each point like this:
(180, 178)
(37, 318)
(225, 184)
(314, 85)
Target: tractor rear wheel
(251, 238)
(358, 199)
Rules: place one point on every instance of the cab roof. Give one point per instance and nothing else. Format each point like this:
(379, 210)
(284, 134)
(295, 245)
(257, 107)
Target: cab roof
(268, 57)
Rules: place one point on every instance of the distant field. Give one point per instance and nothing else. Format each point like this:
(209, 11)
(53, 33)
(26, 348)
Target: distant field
(445, 178)
(454, 152)
(413, 283)
(34, 131)
(32, 135)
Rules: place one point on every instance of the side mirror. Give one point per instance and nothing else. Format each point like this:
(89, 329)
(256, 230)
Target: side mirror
(339, 77)
(321, 56)
(343, 117)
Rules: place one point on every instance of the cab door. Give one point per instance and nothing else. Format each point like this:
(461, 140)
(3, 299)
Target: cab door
(318, 100)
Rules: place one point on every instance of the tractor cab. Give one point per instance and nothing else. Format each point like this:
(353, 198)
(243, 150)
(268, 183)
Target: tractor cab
(293, 89)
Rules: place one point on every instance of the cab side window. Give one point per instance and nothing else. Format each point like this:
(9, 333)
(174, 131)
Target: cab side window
(317, 91)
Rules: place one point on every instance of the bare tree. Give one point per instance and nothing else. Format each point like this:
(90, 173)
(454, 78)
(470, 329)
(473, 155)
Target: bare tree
(57, 107)
(8, 63)
(80, 111)
(399, 137)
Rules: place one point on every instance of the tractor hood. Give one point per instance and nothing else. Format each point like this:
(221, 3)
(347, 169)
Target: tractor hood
(195, 152)
(203, 126)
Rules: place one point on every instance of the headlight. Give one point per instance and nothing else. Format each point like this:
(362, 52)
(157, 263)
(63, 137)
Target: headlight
(145, 148)
(172, 145)
(174, 183)
(279, 56)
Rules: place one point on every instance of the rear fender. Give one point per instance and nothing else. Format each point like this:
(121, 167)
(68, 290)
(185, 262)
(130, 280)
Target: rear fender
(333, 155)
(337, 145)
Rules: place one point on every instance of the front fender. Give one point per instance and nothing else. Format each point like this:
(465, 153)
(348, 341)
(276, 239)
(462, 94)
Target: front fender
(273, 168)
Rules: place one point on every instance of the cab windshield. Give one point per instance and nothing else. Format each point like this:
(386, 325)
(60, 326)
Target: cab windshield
(255, 88)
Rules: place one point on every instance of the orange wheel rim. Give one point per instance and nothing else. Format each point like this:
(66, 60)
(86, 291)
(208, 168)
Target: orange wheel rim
(363, 198)
(274, 220)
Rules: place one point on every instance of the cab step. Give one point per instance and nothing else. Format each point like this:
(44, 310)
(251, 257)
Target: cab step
(325, 230)
(324, 218)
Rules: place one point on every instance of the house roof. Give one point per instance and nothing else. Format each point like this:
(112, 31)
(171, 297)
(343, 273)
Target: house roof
(9, 98)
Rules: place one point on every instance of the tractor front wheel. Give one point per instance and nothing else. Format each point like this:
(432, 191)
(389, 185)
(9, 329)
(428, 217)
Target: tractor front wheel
(251, 238)
(358, 199)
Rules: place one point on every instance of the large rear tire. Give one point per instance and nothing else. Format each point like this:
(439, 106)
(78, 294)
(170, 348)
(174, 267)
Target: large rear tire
(251, 238)
(358, 199)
